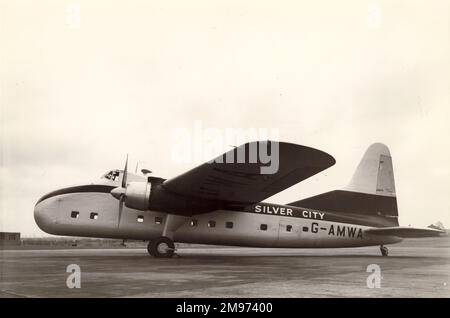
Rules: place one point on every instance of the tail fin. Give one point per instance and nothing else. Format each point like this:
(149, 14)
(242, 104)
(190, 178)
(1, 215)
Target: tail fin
(370, 193)
(374, 174)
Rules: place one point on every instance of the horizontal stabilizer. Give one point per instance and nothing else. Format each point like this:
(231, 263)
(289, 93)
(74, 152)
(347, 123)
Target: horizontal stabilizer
(405, 232)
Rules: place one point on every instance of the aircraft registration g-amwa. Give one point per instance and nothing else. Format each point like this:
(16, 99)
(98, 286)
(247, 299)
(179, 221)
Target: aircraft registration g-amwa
(220, 203)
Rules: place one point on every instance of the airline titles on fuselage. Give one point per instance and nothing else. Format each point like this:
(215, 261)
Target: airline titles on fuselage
(285, 211)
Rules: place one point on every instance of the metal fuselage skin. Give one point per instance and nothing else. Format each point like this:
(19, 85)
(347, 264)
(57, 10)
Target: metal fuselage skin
(96, 214)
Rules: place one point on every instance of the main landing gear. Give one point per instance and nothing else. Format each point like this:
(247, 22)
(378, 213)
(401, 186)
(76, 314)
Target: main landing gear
(384, 250)
(162, 247)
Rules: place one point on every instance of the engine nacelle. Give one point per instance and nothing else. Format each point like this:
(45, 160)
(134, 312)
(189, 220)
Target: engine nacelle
(138, 195)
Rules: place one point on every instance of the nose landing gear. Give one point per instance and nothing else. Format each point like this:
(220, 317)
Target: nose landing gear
(162, 247)
(384, 250)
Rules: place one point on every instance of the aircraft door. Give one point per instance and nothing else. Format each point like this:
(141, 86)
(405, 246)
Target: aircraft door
(288, 233)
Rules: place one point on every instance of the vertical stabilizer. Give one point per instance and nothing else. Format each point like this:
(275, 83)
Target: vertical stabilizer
(375, 174)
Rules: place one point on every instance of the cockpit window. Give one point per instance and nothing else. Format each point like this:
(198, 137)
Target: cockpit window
(113, 175)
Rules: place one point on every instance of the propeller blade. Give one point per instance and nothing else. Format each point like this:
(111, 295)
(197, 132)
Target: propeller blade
(120, 192)
(125, 172)
(120, 209)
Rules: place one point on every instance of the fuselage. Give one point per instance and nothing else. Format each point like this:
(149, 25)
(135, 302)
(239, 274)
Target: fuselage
(91, 211)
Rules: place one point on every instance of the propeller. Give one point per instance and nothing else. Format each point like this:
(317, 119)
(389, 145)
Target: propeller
(134, 195)
(120, 192)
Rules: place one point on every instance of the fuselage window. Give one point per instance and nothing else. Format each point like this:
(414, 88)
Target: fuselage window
(288, 228)
(158, 220)
(94, 216)
(263, 227)
(194, 222)
(229, 225)
(305, 229)
(74, 214)
(212, 224)
(140, 219)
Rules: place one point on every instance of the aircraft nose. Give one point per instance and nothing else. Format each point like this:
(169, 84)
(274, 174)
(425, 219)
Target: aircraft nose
(43, 216)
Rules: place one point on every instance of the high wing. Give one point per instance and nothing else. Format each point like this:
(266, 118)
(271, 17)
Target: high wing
(406, 232)
(222, 180)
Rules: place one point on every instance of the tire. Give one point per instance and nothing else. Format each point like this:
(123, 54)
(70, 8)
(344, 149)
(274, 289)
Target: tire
(162, 247)
(149, 248)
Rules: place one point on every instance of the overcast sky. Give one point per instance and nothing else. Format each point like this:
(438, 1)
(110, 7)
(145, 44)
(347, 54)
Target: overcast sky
(79, 92)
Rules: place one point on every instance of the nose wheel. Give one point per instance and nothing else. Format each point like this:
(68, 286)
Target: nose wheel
(384, 250)
(162, 247)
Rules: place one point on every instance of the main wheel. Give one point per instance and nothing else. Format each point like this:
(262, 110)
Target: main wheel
(149, 248)
(162, 247)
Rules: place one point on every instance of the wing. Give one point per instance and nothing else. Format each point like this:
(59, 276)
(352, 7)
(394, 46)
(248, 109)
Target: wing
(406, 232)
(237, 176)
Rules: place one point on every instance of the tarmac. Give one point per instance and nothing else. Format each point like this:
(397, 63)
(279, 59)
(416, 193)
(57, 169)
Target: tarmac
(419, 268)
